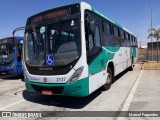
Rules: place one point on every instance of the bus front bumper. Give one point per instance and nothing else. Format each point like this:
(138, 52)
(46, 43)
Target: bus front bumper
(8, 73)
(79, 88)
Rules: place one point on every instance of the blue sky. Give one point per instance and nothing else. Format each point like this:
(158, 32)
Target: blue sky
(132, 14)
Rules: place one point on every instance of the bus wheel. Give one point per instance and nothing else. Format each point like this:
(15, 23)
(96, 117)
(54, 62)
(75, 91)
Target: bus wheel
(132, 65)
(109, 79)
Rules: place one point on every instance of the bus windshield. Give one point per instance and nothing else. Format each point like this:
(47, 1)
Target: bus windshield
(6, 53)
(53, 44)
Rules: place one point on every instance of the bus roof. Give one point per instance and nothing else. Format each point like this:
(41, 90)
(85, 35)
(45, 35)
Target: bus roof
(18, 38)
(110, 20)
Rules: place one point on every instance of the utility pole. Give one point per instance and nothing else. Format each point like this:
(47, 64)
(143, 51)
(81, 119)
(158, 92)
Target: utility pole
(151, 30)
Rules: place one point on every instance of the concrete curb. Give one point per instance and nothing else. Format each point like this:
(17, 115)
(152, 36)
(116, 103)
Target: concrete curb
(142, 68)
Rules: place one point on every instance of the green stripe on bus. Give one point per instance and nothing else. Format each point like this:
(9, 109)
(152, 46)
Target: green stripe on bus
(100, 62)
(79, 88)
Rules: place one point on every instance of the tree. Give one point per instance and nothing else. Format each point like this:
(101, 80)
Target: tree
(156, 34)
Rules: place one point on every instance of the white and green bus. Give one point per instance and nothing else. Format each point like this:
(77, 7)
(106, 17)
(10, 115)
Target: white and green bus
(73, 50)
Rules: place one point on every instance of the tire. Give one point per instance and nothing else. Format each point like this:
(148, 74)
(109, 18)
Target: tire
(109, 79)
(132, 66)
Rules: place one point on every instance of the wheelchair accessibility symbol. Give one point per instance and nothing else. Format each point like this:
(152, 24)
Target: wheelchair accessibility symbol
(50, 60)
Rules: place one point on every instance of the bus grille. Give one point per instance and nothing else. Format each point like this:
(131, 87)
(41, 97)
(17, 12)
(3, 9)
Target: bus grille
(55, 90)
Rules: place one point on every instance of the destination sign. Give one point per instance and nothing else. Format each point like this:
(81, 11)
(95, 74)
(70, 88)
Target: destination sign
(54, 13)
(49, 16)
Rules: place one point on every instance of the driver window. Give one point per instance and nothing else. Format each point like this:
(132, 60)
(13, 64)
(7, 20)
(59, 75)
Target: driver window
(30, 46)
(89, 37)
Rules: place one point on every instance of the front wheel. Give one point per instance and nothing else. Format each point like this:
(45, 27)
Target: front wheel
(109, 79)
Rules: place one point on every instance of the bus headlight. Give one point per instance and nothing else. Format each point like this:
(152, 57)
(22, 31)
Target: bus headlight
(76, 75)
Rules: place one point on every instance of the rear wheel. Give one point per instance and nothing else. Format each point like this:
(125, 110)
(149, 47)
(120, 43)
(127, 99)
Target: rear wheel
(109, 79)
(132, 65)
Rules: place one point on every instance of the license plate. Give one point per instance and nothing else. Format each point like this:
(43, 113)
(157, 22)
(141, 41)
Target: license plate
(47, 92)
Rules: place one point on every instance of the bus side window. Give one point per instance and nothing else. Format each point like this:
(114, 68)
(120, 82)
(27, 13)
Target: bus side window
(91, 42)
(123, 38)
(122, 34)
(127, 41)
(115, 39)
(91, 39)
(136, 45)
(107, 37)
(119, 38)
(97, 37)
(87, 34)
(135, 42)
(132, 41)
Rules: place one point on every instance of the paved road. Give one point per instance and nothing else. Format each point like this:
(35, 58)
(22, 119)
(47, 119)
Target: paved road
(132, 90)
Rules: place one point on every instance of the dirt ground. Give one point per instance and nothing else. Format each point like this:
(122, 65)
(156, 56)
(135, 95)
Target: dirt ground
(151, 65)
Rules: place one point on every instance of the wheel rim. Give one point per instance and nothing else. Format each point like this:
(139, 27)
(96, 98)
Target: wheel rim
(132, 64)
(109, 78)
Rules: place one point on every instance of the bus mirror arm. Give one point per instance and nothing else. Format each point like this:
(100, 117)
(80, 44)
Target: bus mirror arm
(14, 31)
